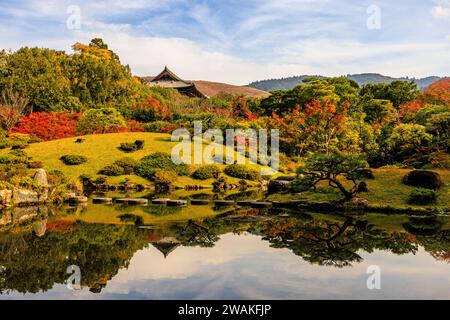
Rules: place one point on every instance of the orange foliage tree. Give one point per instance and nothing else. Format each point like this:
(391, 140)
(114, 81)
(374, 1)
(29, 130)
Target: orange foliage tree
(152, 109)
(437, 93)
(317, 128)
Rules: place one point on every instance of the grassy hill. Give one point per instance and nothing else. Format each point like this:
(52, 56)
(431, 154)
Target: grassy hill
(102, 150)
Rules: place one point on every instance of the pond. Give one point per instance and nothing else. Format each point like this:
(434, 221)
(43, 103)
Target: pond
(202, 252)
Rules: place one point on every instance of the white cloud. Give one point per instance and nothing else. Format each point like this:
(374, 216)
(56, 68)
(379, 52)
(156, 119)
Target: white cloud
(267, 39)
(148, 55)
(442, 9)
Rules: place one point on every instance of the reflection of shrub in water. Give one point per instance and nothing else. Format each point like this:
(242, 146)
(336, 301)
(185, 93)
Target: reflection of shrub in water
(245, 195)
(137, 220)
(161, 210)
(423, 225)
(201, 196)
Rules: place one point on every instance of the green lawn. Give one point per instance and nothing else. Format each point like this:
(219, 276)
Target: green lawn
(101, 150)
(386, 189)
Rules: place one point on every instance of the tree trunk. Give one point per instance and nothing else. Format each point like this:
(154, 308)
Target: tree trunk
(348, 195)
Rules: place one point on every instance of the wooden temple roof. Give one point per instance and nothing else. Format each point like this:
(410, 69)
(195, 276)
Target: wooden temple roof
(168, 79)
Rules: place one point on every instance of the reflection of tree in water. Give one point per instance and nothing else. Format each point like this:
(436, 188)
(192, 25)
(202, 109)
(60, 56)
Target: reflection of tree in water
(429, 234)
(33, 264)
(30, 264)
(193, 233)
(333, 243)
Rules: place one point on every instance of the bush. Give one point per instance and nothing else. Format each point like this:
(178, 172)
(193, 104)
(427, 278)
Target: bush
(119, 167)
(73, 159)
(422, 196)
(24, 182)
(152, 109)
(127, 147)
(18, 141)
(130, 147)
(423, 179)
(164, 178)
(101, 121)
(156, 126)
(139, 144)
(242, 171)
(112, 170)
(159, 161)
(48, 126)
(127, 164)
(207, 172)
(13, 159)
(35, 164)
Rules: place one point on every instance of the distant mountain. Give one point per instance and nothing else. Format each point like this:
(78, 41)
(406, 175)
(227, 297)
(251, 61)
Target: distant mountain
(361, 79)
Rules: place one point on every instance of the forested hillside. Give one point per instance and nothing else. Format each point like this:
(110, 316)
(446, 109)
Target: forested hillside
(361, 79)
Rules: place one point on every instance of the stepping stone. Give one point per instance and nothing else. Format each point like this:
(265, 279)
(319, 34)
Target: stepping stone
(176, 203)
(261, 204)
(138, 201)
(245, 203)
(224, 203)
(122, 200)
(200, 202)
(101, 200)
(160, 201)
(78, 199)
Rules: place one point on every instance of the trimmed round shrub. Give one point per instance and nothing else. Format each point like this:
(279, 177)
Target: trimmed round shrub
(112, 170)
(422, 196)
(127, 147)
(423, 179)
(139, 144)
(119, 167)
(242, 171)
(73, 159)
(127, 164)
(164, 178)
(159, 161)
(207, 172)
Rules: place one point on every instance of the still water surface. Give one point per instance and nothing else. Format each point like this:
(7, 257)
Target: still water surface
(224, 253)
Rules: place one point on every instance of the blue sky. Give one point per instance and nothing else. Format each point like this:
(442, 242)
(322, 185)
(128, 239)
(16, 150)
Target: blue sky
(241, 41)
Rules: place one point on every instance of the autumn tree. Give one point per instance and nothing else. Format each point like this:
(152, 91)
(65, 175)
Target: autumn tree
(317, 128)
(152, 109)
(12, 106)
(437, 93)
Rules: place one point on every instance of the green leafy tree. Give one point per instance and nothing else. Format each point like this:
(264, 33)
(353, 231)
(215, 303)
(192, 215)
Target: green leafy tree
(330, 168)
(377, 110)
(39, 75)
(398, 92)
(100, 120)
(439, 126)
(409, 137)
